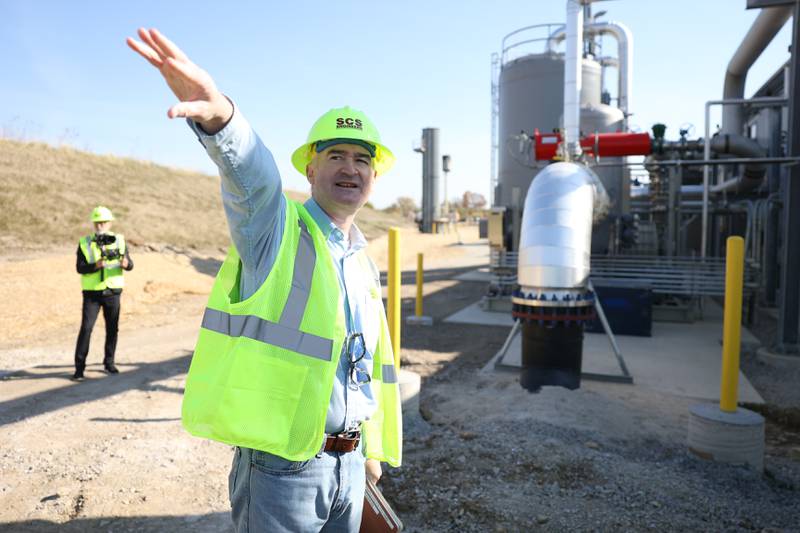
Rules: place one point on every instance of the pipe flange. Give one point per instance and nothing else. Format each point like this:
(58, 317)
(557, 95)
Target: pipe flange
(566, 299)
(554, 317)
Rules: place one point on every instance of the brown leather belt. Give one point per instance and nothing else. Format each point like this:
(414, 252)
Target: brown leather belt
(342, 442)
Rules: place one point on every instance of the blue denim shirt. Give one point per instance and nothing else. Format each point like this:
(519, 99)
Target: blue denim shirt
(256, 211)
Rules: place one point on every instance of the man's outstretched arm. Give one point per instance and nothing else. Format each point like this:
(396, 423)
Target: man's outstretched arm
(199, 98)
(251, 185)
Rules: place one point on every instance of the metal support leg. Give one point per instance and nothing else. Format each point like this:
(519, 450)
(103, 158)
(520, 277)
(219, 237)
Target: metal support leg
(610, 334)
(495, 361)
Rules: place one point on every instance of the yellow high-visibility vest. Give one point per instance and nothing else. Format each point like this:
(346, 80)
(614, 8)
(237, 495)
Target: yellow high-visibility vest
(108, 277)
(263, 369)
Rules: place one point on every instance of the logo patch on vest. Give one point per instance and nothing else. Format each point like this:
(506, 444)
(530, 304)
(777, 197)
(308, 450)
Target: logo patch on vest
(353, 123)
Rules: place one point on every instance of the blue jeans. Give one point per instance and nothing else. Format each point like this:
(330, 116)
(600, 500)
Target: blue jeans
(275, 495)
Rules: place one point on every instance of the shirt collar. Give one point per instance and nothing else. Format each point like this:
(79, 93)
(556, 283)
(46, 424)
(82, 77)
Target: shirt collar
(330, 230)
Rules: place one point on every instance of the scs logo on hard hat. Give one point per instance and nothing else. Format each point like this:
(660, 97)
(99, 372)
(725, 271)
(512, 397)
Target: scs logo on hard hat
(348, 123)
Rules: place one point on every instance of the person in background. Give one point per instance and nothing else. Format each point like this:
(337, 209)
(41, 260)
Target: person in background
(102, 257)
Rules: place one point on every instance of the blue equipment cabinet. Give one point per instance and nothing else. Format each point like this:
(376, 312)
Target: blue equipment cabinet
(628, 307)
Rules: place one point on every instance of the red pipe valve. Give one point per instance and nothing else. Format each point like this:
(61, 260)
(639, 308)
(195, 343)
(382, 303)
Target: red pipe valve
(545, 145)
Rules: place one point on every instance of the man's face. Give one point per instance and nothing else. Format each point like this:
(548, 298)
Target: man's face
(102, 227)
(341, 178)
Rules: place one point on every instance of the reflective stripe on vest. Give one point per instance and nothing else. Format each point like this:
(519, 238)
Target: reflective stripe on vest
(286, 333)
(267, 332)
(388, 373)
(90, 250)
(304, 262)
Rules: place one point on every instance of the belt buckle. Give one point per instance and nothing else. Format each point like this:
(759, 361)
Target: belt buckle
(357, 440)
(344, 437)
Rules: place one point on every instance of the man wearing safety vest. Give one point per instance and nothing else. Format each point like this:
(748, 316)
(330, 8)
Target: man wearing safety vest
(102, 257)
(293, 364)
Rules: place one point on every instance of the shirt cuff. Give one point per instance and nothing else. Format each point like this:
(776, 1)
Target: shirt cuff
(236, 124)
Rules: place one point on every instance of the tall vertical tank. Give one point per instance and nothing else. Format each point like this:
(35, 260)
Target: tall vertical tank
(531, 95)
(430, 178)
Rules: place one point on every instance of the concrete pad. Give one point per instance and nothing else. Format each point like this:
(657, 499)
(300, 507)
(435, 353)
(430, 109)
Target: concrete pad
(473, 314)
(479, 274)
(715, 313)
(680, 359)
(598, 358)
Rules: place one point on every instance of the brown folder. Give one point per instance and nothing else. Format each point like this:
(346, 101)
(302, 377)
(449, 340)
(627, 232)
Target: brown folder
(378, 516)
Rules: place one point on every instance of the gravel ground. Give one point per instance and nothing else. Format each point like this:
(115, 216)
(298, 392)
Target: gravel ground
(511, 476)
(492, 457)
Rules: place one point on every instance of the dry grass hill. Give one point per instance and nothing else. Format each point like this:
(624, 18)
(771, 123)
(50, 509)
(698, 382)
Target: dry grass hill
(46, 194)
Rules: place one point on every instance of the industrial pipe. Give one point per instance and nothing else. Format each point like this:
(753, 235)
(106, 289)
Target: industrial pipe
(765, 100)
(573, 71)
(553, 300)
(766, 25)
(624, 39)
(753, 173)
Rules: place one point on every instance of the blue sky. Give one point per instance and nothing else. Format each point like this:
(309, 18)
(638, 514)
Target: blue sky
(68, 77)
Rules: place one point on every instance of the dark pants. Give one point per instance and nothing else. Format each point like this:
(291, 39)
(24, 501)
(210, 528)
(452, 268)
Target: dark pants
(92, 302)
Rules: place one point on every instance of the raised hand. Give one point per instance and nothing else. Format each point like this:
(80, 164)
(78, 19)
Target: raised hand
(200, 100)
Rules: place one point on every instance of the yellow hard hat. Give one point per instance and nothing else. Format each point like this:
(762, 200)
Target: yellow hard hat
(101, 214)
(344, 125)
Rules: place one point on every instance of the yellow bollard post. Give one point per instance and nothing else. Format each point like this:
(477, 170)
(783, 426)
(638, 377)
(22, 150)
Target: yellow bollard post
(393, 293)
(418, 319)
(732, 324)
(418, 306)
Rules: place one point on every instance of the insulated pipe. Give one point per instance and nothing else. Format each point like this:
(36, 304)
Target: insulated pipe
(624, 39)
(555, 243)
(553, 301)
(573, 79)
(766, 25)
(737, 145)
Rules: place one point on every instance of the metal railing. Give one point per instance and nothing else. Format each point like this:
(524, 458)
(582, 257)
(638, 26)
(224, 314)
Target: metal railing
(680, 276)
(527, 35)
(685, 276)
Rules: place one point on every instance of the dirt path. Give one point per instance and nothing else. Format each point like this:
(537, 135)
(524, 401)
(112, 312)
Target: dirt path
(109, 453)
